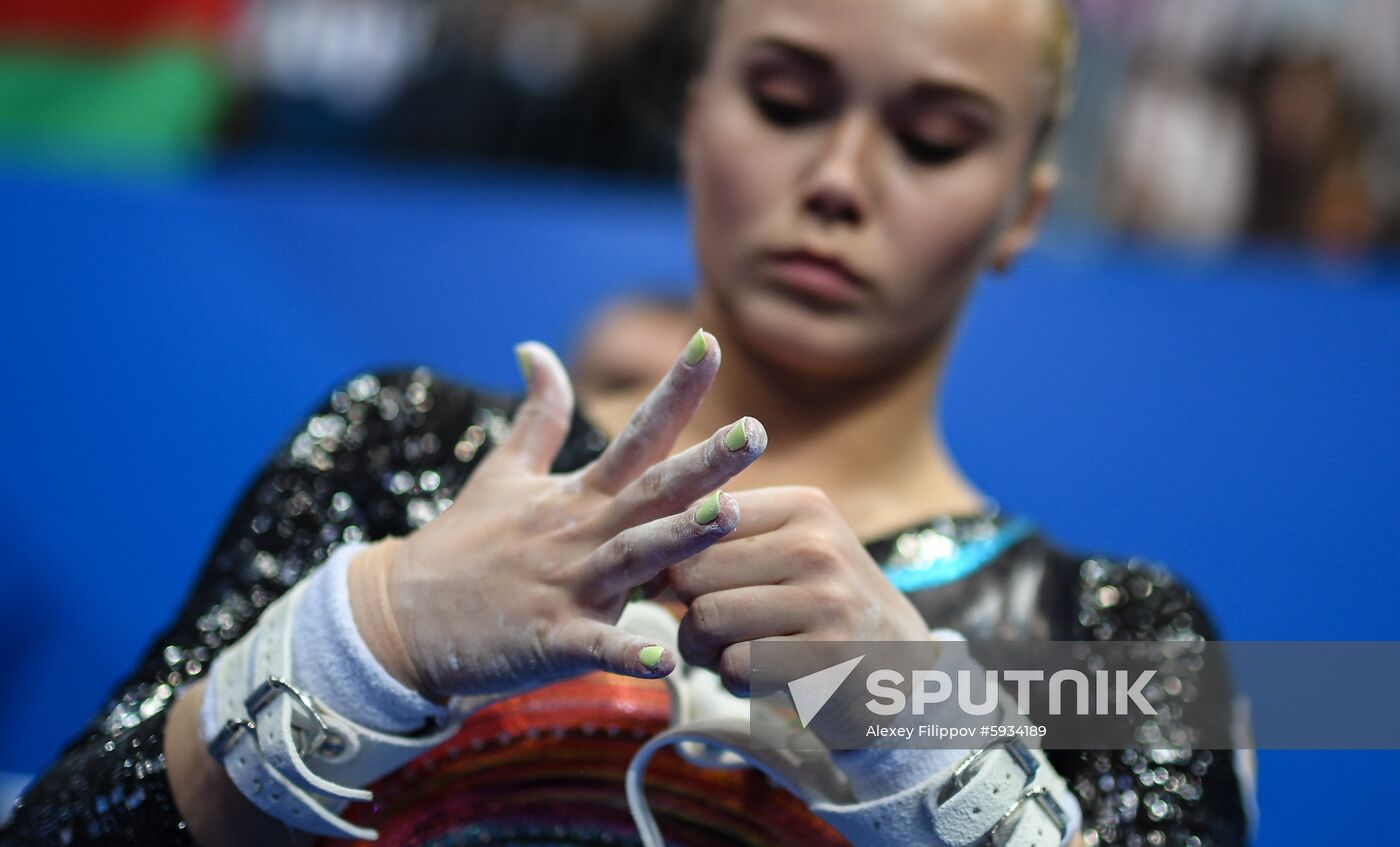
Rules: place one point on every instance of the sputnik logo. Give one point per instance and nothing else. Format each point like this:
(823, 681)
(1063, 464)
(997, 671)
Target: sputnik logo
(811, 692)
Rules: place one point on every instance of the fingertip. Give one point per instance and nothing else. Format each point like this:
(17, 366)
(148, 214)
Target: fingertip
(713, 354)
(546, 352)
(758, 434)
(717, 515)
(747, 436)
(712, 350)
(542, 368)
(728, 518)
(533, 352)
(540, 424)
(655, 661)
(707, 513)
(524, 362)
(702, 350)
(696, 348)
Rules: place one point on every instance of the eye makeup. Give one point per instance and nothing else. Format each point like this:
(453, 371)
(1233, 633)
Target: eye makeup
(792, 86)
(789, 85)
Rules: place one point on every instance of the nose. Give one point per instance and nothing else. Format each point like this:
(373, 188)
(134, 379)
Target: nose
(837, 189)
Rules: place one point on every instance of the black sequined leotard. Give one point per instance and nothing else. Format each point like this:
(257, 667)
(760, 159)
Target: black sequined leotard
(384, 455)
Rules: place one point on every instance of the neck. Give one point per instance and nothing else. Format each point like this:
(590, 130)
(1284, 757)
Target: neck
(873, 445)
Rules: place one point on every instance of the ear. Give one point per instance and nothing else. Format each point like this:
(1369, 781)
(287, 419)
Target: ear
(1025, 223)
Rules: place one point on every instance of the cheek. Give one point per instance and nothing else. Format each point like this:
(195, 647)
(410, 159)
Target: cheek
(943, 224)
(737, 176)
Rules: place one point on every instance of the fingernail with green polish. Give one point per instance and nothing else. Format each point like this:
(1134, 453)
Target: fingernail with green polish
(523, 360)
(695, 350)
(709, 510)
(737, 436)
(650, 656)
(636, 594)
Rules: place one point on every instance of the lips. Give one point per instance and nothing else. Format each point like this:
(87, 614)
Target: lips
(817, 276)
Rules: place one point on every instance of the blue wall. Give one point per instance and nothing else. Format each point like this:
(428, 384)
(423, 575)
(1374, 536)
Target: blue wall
(1236, 417)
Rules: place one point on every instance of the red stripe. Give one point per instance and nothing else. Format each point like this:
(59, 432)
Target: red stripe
(571, 770)
(113, 21)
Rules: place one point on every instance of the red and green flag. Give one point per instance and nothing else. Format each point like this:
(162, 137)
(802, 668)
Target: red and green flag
(112, 80)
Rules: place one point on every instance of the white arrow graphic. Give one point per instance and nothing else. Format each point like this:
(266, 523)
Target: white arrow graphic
(810, 693)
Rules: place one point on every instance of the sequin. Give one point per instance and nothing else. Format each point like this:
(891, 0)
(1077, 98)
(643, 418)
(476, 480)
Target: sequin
(383, 454)
(931, 556)
(1170, 795)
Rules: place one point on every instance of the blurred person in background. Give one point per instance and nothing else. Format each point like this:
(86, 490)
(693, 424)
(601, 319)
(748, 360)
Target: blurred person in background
(1310, 183)
(628, 346)
(1193, 153)
(1255, 119)
(442, 577)
(542, 81)
(1181, 159)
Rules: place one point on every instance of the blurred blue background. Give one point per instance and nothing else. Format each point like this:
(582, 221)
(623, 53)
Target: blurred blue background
(1234, 415)
(212, 211)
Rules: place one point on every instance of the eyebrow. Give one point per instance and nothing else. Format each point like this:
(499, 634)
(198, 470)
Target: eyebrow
(923, 92)
(813, 59)
(926, 92)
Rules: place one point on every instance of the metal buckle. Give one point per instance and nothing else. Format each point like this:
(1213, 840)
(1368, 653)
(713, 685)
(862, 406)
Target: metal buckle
(968, 768)
(1008, 821)
(267, 692)
(322, 738)
(228, 736)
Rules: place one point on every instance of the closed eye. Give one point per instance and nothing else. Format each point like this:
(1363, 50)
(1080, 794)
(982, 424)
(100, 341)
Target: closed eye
(940, 124)
(789, 86)
(931, 152)
(784, 112)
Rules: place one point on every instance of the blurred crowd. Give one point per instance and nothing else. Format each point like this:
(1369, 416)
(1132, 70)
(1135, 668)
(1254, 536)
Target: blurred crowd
(1204, 121)
(1276, 119)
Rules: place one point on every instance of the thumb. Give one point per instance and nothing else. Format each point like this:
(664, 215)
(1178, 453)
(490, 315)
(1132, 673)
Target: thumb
(585, 644)
(542, 422)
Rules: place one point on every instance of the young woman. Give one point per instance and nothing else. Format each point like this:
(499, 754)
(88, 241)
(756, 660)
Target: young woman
(852, 169)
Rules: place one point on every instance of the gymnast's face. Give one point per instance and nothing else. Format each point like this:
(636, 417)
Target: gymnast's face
(853, 164)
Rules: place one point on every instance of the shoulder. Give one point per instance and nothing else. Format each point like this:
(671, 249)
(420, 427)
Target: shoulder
(1132, 598)
(395, 442)
(397, 418)
(1024, 584)
(388, 403)
(411, 419)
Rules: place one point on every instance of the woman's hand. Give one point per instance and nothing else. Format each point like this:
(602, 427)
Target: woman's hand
(521, 580)
(794, 571)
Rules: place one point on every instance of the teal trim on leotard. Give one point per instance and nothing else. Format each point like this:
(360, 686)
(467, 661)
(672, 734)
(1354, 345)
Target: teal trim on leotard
(966, 559)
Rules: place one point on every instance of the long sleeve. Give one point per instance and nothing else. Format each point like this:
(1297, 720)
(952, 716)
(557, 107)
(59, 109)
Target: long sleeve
(381, 455)
(1181, 797)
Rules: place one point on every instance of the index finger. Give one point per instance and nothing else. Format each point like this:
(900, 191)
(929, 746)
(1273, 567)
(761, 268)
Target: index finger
(653, 429)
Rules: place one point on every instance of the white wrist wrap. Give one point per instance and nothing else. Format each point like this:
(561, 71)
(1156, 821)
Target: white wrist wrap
(876, 773)
(1002, 795)
(330, 657)
(291, 753)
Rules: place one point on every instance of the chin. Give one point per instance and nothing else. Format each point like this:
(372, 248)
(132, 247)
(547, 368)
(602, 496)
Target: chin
(807, 343)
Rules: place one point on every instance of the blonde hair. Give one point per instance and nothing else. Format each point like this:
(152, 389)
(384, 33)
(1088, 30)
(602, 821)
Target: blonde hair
(1061, 58)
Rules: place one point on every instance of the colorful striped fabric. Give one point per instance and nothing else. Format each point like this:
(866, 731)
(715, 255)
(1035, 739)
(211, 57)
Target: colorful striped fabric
(547, 768)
